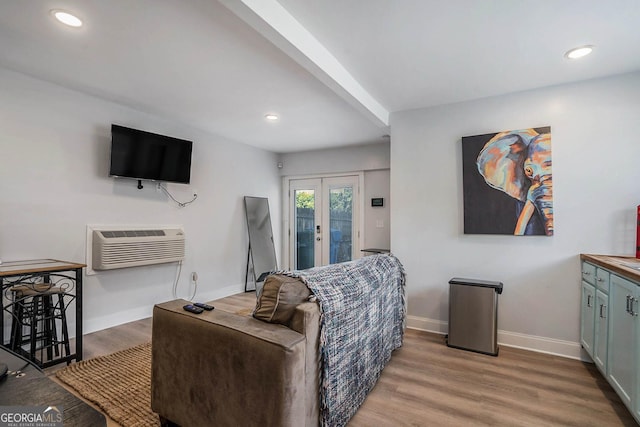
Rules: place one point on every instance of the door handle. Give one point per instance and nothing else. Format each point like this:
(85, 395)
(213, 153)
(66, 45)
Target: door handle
(627, 309)
(589, 302)
(633, 312)
(602, 311)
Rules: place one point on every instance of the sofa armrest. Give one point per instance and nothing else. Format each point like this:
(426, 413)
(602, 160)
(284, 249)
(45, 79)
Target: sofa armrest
(219, 368)
(306, 320)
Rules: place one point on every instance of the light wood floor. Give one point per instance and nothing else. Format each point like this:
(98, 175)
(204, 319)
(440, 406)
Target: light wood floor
(427, 383)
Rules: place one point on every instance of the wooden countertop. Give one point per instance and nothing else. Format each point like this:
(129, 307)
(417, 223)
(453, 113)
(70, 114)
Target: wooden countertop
(13, 268)
(616, 263)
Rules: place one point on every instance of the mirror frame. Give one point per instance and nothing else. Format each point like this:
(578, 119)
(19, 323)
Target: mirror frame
(261, 256)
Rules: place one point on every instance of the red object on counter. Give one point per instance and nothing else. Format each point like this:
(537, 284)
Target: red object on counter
(638, 236)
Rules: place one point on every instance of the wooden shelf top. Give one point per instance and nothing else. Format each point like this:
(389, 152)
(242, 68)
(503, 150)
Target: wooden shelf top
(12, 268)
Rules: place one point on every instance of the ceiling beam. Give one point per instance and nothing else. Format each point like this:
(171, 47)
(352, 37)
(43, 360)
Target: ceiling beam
(278, 26)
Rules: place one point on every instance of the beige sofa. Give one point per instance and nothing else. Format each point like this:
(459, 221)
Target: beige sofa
(225, 369)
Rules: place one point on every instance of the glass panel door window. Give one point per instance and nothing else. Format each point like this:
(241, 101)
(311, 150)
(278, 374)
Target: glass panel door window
(324, 213)
(340, 223)
(305, 211)
(305, 227)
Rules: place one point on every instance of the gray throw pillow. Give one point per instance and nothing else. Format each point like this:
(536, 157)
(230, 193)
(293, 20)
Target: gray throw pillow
(279, 298)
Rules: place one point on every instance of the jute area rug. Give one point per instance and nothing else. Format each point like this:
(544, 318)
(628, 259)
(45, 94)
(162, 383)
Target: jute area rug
(119, 383)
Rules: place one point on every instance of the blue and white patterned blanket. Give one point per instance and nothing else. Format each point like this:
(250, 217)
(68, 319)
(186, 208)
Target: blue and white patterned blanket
(362, 315)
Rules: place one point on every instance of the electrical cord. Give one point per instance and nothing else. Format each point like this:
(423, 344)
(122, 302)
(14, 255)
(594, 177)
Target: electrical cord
(181, 204)
(195, 289)
(175, 284)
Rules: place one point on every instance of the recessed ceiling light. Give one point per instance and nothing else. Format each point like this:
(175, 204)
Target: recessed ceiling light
(579, 52)
(272, 117)
(66, 18)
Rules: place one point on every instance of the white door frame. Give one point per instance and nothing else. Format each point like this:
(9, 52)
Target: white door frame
(286, 223)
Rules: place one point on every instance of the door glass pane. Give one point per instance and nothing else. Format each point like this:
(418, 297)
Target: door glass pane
(341, 224)
(304, 228)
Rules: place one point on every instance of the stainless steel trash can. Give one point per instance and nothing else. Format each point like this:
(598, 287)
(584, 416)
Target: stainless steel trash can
(473, 315)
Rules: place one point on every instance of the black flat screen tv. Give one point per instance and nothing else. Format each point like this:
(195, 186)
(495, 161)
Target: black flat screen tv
(148, 156)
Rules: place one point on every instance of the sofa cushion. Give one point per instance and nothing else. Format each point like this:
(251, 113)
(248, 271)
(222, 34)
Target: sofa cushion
(279, 298)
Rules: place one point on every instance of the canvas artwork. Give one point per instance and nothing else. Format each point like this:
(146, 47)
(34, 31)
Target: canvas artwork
(507, 182)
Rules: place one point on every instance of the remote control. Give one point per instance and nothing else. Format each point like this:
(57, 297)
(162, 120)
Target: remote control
(193, 309)
(204, 306)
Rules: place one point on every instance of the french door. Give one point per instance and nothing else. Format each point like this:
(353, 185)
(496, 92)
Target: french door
(323, 221)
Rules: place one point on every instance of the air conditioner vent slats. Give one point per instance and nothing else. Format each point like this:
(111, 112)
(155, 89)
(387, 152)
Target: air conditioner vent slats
(131, 233)
(130, 248)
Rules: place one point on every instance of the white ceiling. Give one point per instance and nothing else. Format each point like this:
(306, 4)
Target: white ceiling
(332, 69)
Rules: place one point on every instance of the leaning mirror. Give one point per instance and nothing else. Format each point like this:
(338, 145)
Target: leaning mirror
(261, 258)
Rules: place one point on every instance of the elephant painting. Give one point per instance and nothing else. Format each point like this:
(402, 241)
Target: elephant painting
(517, 164)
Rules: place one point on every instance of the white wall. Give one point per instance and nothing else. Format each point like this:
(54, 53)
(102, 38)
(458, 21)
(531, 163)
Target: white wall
(595, 127)
(377, 219)
(373, 160)
(53, 180)
(335, 160)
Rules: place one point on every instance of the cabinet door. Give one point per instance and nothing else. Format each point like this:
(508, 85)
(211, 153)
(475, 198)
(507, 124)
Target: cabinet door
(587, 317)
(622, 357)
(600, 334)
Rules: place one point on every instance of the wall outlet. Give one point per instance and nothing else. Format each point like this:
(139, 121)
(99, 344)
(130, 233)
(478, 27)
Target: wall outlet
(194, 277)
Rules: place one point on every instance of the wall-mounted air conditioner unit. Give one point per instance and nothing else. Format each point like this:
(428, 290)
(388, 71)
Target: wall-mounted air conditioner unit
(120, 248)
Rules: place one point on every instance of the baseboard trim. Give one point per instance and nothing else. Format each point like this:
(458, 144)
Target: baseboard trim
(121, 317)
(556, 347)
(553, 346)
(427, 325)
(539, 344)
(115, 319)
(220, 293)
